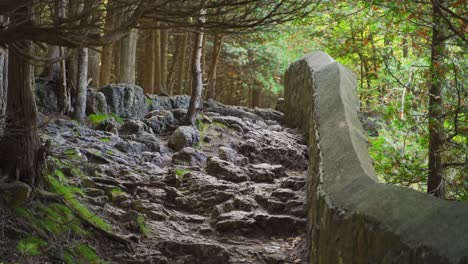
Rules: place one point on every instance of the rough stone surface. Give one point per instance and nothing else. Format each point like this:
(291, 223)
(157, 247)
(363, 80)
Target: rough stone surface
(184, 136)
(177, 209)
(160, 121)
(126, 100)
(189, 157)
(225, 170)
(95, 102)
(347, 205)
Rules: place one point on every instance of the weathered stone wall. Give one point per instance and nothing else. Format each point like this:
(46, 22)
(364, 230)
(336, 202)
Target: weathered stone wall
(352, 218)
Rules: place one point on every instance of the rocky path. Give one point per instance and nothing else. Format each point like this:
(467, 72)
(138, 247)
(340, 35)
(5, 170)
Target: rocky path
(232, 191)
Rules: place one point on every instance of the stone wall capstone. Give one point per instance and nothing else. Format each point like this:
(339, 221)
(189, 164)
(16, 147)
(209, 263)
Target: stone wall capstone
(352, 218)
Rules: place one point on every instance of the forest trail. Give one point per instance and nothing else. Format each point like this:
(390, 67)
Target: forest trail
(236, 196)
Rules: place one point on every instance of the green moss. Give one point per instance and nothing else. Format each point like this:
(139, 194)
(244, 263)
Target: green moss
(85, 254)
(61, 175)
(68, 194)
(95, 119)
(148, 101)
(181, 172)
(116, 193)
(142, 225)
(68, 258)
(31, 246)
(105, 140)
(72, 154)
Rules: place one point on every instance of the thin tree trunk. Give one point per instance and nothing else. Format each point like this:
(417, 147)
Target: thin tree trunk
(175, 55)
(20, 147)
(217, 48)
(3, 78)
(197, 82)
(182, 59)
(81, 85)
(256, 93)
(148, 70)
(94, 57)
(157, 60)
(435, 183)
(128, 57)
(164, 56)
(203, 58)
(107, 50)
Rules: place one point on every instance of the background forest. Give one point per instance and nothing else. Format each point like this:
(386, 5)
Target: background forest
(401, 51)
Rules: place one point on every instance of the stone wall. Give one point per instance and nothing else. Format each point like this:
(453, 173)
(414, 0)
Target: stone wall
(352, 218)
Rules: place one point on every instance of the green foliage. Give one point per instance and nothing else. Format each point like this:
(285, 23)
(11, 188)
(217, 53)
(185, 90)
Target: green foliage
(95, 119)
(31, 246)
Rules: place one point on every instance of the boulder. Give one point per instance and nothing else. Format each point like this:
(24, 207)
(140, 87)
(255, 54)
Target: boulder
(134, 127)
(184, 136)
(227, 154)
(168, 102)
(265, 172)
(95, 102)
(232, 122)
(126, 100)
(280, 105)
(189, 157)
(225, 170)
(160, 121)
(109, 125)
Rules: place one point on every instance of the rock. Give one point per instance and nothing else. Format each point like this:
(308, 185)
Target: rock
(133, 127)
(202, 252)
(225, 110)
(280, 105)
(95, 102)
(126, 100)
(189, 157)
(168, 102)
(184, 136)
(275, 147)
(160, 121)
(225, 170)
(232, 122)
(46, 97)
(109, 125)
(151, 142)
(265, 172)
(227, 154)
(269, 114)
(179, 114)
(129, 146)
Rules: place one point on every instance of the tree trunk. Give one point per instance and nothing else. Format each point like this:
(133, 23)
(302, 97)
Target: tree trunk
(182, 59)
(197, 80)
(128, 57)
(175, 57)
(94, 57)
(157, 60)
(19, 157)
(79, 112)
(107, 50)
(3, 79)
(435, 183)
(164, 55)
(52, 70)
(256, 97)
(148, 70)
(217, 48)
